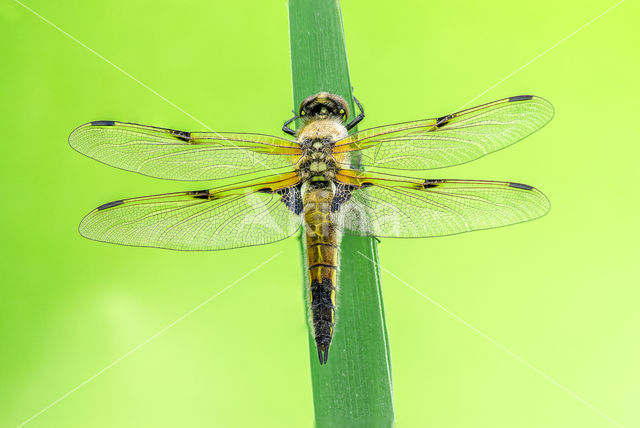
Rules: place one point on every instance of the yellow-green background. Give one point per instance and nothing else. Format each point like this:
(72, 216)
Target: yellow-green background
(561, 292)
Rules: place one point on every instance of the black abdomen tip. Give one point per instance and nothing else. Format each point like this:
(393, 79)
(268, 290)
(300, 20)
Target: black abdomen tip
(322, 310)
(323, 353)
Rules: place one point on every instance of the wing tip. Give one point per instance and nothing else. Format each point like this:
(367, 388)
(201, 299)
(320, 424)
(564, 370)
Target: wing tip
(544, 204)
(544, 111)
(532, 189)
(541, 100)
(87, 125)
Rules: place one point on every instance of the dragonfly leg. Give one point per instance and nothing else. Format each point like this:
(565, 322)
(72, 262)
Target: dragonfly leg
(359, 117)
(286, 128)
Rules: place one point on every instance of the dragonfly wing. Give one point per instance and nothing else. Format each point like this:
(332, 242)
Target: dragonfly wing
(426, 208)
(451, 139)
(181, 155)
(212, 219)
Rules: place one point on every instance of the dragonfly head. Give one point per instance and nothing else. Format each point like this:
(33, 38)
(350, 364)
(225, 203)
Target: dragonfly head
(324, 106)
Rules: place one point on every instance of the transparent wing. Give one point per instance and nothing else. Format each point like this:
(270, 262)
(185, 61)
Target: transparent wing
(181, 155)
(213, 219)
(424, 208)
(452, 139)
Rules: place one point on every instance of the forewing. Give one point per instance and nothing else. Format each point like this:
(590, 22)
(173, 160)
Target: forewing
(451, 139)
(426, 208)
(181, 155)
(213, 219)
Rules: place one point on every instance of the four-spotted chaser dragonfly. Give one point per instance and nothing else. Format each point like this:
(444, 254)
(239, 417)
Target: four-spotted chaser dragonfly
(311, 181)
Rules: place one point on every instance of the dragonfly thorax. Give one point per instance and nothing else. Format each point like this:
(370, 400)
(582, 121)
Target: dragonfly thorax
(316, 139)
(316, 162)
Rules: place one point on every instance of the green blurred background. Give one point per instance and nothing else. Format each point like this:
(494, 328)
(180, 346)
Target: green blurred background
(561, 292)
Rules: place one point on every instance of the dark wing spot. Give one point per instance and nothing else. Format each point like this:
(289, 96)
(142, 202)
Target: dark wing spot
(442, 121)
(520, 98)
(110, 204)
(103, 123)
(342, 195)
(291, 198)
(520, 186)
(200, 194)
(265, 190)
(429, 184)
(181, 135)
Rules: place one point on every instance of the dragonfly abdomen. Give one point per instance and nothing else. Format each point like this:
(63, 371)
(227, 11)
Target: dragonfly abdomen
(322, 241)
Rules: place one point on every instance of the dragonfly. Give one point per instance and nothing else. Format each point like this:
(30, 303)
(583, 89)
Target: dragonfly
(321, 178)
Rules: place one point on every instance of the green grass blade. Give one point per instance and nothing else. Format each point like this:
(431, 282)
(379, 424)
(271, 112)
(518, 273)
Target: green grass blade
(354, 389)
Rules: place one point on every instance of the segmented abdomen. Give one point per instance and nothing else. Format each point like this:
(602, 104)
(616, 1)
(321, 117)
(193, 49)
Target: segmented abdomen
(322, 241)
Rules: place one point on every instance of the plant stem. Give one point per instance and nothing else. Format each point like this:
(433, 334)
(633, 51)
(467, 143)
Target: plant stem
(354, 389)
